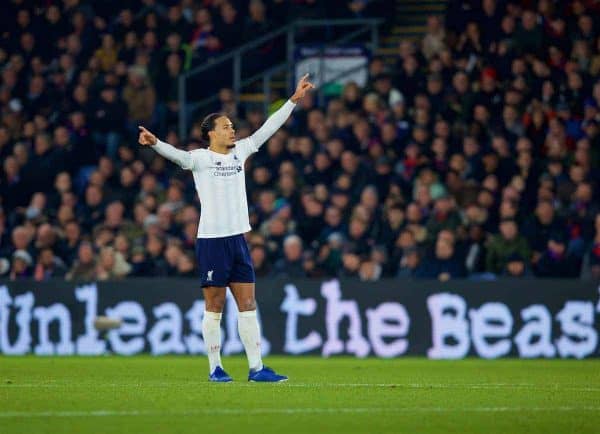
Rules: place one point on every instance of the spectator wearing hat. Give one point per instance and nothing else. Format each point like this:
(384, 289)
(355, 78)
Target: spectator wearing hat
(556, 261)
(503, 245)
(21, 265)
(517, 266)
(330, 254)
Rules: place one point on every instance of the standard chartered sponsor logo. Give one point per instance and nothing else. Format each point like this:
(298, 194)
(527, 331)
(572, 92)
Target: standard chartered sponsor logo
(224, 171)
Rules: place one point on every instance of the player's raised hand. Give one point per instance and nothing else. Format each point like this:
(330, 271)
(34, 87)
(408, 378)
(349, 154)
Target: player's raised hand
(146, 138)
(303, 86)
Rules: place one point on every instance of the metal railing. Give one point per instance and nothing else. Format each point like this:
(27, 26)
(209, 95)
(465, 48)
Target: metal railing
(366, 26)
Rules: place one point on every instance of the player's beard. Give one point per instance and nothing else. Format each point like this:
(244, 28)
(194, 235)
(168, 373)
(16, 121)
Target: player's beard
(231, 146)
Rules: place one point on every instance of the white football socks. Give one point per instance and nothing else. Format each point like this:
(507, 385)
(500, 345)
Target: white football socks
(250, 336)
(211, 332)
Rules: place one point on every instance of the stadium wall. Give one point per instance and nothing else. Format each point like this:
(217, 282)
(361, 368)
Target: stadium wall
(389, 318)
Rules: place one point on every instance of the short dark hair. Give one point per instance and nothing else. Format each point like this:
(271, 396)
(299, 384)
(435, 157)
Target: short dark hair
(208, 124)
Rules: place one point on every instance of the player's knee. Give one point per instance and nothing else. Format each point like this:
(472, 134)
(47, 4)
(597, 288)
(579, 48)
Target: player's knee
(215, 305)
(247, 304)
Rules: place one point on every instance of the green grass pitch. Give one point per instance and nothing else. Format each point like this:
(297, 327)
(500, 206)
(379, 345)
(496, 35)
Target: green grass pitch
(336, 395)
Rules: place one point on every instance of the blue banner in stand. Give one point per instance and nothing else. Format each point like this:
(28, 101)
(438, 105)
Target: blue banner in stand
(333, 65)
(390, 318)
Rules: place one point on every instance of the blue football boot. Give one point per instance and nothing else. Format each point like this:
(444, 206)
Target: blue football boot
(265, 375)
(219, 376)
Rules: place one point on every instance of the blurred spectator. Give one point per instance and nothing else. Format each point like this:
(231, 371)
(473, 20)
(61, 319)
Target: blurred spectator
(291, 265)
(111, 265)
(505, 244)
(228, 24)
(204, 40)
(186, 266)
(48, 265)
(434, 40)
(539, 227)
(84, 267)
(370, 271)
(260, 261)
(409, 263)
(108, 120)
(516, 266)
(556, 261)
(257, 23)
(443, 264)
(593, 255)
(21, 265)
(140, 97)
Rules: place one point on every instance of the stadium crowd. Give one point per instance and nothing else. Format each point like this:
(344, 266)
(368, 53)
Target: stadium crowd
(476, 154)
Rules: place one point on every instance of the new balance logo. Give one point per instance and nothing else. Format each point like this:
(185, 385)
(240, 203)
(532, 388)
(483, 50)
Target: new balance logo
(209, 275)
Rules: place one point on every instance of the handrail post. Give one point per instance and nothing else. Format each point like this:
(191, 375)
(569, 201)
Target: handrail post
(266, 91)
(291, 36)
(182, 107)
(374, 36)
(321, 75)
(235, 56)
(237, 75)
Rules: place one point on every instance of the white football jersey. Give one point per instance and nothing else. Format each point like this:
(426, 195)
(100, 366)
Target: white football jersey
(221, 185)
(220, 178)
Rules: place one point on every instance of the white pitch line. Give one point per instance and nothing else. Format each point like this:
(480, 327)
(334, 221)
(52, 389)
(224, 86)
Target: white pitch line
(484, 386)
(259, 411)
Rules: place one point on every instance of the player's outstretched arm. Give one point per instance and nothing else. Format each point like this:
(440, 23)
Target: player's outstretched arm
(277, 119)
(182, 158)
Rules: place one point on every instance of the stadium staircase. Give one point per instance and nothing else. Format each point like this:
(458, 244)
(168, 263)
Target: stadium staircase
(410, 23)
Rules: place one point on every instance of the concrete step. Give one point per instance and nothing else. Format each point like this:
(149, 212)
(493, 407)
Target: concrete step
(384, 52)
(420, 2)
(252, 97)
(420, 8)
(399, 30)
(410, 20)
(278, 84)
